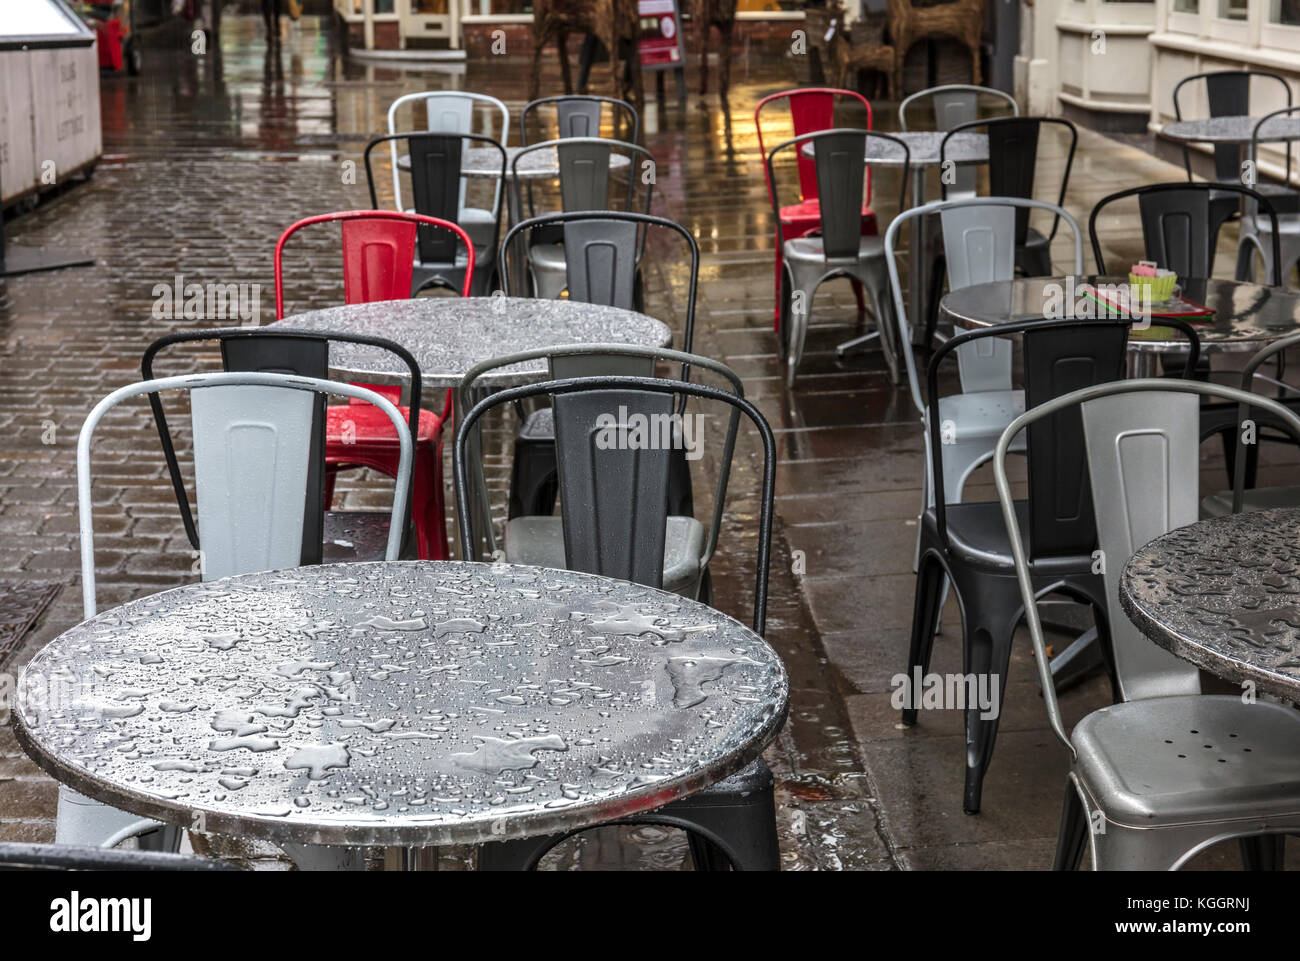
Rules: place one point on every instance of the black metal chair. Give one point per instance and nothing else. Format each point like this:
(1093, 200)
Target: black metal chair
(967, 542)
(605, 270)
(435, 160)
(16, 856)
(614, 515)
(1228, 93)
(1178, 233)
(305, 354)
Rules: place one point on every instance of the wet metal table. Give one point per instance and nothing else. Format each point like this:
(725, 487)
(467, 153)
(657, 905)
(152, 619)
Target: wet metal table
(449, 335)
(1246, 316)
(1232, 129)
(923, 151)
(411, 704)
(1224, 594)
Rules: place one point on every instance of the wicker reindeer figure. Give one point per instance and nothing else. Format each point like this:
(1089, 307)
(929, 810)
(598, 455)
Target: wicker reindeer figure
(962, 20)
(720, 14)
(615, 23)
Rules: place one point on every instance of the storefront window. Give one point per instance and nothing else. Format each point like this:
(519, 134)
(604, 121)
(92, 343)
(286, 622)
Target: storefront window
(1187, 6)
(499, 8)
(768, 6)
(378, 6)
(1232, 9)
(1285, 12)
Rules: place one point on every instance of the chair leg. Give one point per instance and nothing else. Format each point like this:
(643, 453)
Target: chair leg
(776, 303)
(1073, 836)
(428, 507)
(990, 610)
(798, 320)
(1263, 852)
(926, 609)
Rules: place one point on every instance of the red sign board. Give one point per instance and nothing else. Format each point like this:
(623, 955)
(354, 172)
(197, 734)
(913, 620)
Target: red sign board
(661, 38)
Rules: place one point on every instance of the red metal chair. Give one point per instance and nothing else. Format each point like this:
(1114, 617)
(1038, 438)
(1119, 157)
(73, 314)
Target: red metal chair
(378, 258)
(811, 109)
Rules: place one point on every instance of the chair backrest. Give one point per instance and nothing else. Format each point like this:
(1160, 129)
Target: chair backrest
(1266, 131)
(839, 156)
(1059, 356)
(1227, 93)
(812, 109)
(252, 444)
(585, 172)
(613, 486)
(980, 242)
(302, 353)
(19, 856)
(602, 251)
(1176, 225)
(436, 184)
(595, 360)
(951, 106)
(1013, 160)
(378, 253)
(1248, 372)
(579, 116)
(448, 111)
(1141, 438)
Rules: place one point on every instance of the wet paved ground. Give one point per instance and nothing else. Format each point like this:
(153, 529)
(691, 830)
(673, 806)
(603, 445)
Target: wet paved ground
(208, 159)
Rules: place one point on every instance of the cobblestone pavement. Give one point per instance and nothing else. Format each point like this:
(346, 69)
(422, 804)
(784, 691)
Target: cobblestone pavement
(207, 159)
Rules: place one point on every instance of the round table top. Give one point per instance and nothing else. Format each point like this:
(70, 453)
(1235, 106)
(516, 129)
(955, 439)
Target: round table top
(407, 703)
(923, 145)
(1233, 129)
(538, 165)
(449, 335)
(1246, 316)
(1224, 594)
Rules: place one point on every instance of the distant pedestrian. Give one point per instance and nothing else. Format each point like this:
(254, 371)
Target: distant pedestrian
(271, 14)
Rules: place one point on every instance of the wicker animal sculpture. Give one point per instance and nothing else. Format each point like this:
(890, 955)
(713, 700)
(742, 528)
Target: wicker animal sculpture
(721, 14)
(861, 47)
(962, 20)
(615, 23)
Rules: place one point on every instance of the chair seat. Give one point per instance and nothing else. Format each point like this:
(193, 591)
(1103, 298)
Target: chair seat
(983, 413)
(539, 542)
(812, 250)
(978, 536)
(371, 425)
(538, 426)
(1190, 758)
(1287, 224)
(1285, 199)
(547, 257)
(355, 536)
(1257, 499)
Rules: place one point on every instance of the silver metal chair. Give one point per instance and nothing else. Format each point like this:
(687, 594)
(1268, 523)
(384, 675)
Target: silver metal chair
(1135, 795)
(249, 514)
(580, 115)
(979, 234)
(839, 250)
(585, 179)
(452, 111)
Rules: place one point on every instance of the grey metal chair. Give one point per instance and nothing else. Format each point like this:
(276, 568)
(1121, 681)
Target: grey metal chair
(580, 115)
(1135, 795)
(602, 267)
(436, 179)
(585, 184)
(732, 823)
(979, 234)
(15, 856)
(963, 543)
(1013, 159)
(1276, 240)
(543, 539)
(839, 250)
(1228, 95)
(250, 515)
(950, 105)
(453, 111)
